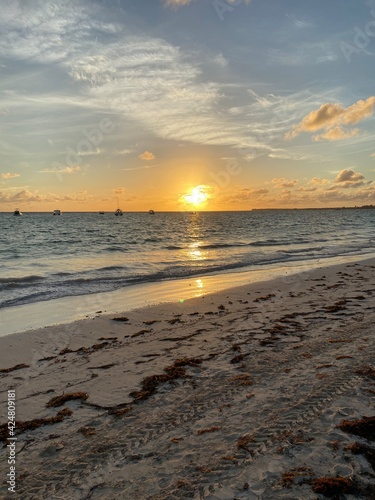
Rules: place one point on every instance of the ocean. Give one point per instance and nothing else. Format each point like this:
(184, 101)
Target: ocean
(44, 257)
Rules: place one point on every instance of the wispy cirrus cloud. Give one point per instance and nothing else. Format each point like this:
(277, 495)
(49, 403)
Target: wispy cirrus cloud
(180, 3)
(331, 117)
(66, 170)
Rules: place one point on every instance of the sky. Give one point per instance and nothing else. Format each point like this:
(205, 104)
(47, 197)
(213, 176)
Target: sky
(186, 104)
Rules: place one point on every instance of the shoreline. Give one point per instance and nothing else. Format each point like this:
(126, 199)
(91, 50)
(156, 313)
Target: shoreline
(238, 394)
(34, 316)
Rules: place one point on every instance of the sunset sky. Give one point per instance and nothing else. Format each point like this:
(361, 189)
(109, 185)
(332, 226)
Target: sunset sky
(180, 105)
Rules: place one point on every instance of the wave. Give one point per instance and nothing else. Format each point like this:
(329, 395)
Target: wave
(213, 246)
(111, 268)
(301, 250)
(115, 249)
(24, 279)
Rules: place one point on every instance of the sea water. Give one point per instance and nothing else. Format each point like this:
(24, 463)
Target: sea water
(45, 257)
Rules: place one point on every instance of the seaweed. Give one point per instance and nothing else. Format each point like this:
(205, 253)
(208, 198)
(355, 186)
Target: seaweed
(87, 431)
(209, 429)
(150, 384)
(365, 450)
(28, 425)
(120, 318)
(365, 427)
(16, 367)
(367, 371)
(243, 379)
(244, 441)
(287, 479)
(60, 400)
(237, 359)
(333, 487)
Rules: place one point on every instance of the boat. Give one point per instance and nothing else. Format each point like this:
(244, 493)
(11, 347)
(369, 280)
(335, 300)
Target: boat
(57, 212)
(151, 212)
(101, 213)
(118, 211)
(17, 212)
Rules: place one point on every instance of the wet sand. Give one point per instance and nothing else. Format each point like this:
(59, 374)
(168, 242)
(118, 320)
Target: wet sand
(232, 395)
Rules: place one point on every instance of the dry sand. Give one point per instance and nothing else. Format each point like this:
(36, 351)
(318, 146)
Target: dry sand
(228, 396)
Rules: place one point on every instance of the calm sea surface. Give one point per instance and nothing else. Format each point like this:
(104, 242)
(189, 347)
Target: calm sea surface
(44, 256)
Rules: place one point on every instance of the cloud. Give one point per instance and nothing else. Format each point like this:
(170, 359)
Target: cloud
(9, 175)
(299, 23)
(176, 3)
(306, 189)
(91, 152)
(284, 183)
(372, 155)
(180, 3)
(336, 134)
(147, 155)
(317, 181)
(26, 196)
(244, 195)
(140, 168)
(349, 179)
(66, 170)
(123, 152)
(331, 117)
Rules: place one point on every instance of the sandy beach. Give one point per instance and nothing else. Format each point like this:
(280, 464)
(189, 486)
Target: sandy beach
(242, 394)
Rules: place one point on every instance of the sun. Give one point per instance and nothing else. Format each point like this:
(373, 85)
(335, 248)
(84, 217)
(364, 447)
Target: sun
(198, 196)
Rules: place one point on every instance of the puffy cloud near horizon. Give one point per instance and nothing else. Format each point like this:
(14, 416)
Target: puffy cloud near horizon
(331, 117)
(347, 178)
(147, 156)
(284, 183)
(26, 196)
(9, 175)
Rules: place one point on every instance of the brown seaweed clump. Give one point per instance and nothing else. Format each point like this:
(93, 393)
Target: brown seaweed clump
(16, 367)
(367, 371)
(287, 479)
(29, 425)
(87, 431)
(333, 487)
(210, 429)
(365, 450)
(365, 427)
(244, 441)
(173, 372)
(60, 400)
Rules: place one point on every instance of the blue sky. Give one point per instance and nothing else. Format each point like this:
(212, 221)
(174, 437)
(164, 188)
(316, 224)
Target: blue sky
(252, 104)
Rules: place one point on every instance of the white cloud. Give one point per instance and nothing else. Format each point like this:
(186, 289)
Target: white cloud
(9, 175)
(66, 170)
(147, 156)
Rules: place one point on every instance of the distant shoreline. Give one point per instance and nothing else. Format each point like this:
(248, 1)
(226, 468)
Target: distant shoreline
(363, 207)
